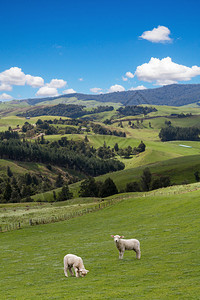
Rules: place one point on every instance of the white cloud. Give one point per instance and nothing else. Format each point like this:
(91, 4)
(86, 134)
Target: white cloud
(165, 71)
(129, 75)
(13, 76)
(34, 81)
(57, 83)
(69, 91)
(124, 78)
(47, 91)
(116, 88)
(95, 90)
(80, 79)
(5, 87)
(157, 35)
(137, 88)
(5, 96)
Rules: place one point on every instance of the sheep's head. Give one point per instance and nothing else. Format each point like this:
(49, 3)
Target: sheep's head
(83, 272)
(117, 238)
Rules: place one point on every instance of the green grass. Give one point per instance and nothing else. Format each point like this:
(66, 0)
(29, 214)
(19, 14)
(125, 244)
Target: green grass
(180, 170)
(13, 213)
(166, 225)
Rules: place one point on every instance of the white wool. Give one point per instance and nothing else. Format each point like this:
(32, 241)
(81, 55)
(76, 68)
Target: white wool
(71, 260)
(130, 244)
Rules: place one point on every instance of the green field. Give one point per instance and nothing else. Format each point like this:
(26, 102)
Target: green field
(166, 223)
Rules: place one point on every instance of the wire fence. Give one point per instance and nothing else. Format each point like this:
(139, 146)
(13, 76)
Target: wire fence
(54, 219)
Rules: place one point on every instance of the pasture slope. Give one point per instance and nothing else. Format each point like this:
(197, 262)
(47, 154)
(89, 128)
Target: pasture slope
(165, 221)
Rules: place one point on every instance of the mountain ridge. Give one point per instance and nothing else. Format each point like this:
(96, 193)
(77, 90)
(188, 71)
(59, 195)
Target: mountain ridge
(171, 95)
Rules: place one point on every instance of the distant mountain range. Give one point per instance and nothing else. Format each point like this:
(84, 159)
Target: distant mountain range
(173, 95)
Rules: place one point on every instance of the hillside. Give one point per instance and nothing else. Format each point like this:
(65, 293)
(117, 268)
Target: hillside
(165, 222)
(172, 95)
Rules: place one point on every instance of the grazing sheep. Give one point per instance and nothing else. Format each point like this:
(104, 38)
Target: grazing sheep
(122, 245)
(71, 260)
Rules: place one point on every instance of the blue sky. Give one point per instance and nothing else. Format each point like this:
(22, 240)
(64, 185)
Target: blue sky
(54, 47)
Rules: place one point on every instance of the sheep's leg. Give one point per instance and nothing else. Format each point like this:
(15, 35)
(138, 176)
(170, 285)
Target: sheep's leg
(138, 254)
(65, 270)
(71, 272)
(76, 271)
(121, 254)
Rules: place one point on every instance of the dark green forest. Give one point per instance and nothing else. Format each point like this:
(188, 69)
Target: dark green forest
(65, 110)
(170, 133)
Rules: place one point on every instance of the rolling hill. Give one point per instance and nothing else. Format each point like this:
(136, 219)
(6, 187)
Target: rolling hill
(174, 95)
(166, 223)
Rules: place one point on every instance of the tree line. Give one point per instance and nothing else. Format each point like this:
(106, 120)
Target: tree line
(92, 188)
(71, 154)
(133, 110)
(171, 133)
(98, 129)
(65, 110)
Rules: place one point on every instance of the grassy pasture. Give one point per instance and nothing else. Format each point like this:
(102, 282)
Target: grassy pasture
(166, 225)
(180, 169)
(13, 213)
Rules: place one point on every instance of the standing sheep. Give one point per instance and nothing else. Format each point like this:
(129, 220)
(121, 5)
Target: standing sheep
(71, 260)
(122, 245)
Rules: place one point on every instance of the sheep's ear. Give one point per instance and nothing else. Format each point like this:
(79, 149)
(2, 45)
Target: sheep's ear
(87, 271)
(121, 237)
(112, 235)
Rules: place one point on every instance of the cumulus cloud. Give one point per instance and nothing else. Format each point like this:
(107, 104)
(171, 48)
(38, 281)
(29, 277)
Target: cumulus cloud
(116, 88)
(124, 78)
(165, 71)
(69, 91)
(47, 91)
(137, 88)
(13, 76)
(157, 35)
(57, 83)
(129, 75)
(34, 81)
(95, 90)
(5, 96)
(5, 87)
(80, 79)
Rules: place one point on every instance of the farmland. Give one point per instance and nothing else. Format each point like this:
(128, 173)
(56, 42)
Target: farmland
(165, 222)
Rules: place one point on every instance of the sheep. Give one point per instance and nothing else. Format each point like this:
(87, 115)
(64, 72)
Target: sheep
(122, 245)
(71, 260)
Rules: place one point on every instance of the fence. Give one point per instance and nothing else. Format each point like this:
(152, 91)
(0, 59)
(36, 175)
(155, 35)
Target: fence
(53, 219)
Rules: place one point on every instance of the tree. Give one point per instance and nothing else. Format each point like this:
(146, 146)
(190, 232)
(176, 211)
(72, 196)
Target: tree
(108, 188)
(133, 187)
(146, 179)
(59, 180)
(116, 147)
(27, 179)
(88, 188)
(15, 196)
(141, 147)
(127, 152)
(54, 196)
(196, 174)
(9, 172)
(65, 194)
(7, 192)
(86, 139)
(161, 182)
